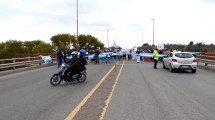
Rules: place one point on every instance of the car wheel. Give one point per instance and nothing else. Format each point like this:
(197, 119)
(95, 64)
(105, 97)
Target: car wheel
(170, 68)
(164, 67)
(193, 71)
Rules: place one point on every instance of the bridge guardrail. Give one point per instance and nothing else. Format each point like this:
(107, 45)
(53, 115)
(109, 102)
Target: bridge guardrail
(26, 62)
(207, 59)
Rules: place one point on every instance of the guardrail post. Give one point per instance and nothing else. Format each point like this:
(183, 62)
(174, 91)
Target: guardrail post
(14, 60)
(29, 59)
(40, 63)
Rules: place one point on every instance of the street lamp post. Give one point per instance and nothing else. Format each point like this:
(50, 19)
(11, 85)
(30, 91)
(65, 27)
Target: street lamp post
(107, 39)
(77, 44)
(153, 29)
(142, 39)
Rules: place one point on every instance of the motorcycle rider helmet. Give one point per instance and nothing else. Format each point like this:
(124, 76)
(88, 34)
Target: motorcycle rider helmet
(74, 54)
(82, 52)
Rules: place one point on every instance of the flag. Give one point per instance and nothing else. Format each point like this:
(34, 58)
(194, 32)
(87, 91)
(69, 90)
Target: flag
(70, 46)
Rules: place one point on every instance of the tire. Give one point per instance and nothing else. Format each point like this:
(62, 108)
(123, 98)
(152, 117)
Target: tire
(170, 68)
(193, 71)
(82, 78)
(164, 67)
(55, 80)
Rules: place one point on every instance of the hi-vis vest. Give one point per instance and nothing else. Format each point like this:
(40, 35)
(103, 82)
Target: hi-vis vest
(155, 54)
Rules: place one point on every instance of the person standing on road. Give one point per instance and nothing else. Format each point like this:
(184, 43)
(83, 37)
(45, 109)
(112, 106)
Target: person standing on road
(97, 56)
(119, 55)
(107, 59)
(155, 57)
(59, 58)
(64, 56)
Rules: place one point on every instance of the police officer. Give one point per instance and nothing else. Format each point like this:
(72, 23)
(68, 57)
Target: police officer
(155, 57)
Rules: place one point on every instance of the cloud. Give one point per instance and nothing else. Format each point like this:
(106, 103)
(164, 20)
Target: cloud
(175, 20)
(208, 1)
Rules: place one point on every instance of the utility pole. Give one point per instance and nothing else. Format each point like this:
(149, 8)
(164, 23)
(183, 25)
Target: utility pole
(142, 39)
(77, 44)
(153, 30)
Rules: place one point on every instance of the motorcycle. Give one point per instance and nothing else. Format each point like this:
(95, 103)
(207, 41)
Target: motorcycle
(57, 78)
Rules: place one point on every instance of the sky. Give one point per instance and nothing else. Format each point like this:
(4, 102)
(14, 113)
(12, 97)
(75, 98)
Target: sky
(127, 22)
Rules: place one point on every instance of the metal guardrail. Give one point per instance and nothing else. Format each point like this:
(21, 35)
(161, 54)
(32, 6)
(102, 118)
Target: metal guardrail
(25, 62)
(206, 61)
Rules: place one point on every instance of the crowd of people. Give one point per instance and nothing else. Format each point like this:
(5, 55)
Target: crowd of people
(62, 56)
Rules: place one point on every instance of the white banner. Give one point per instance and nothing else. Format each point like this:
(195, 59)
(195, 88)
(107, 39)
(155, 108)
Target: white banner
(160, 46)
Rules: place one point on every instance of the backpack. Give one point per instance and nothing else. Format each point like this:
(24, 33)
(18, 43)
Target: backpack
(82, 61)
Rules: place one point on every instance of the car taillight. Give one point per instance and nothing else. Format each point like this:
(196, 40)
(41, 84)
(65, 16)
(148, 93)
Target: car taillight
(195, 60)
(174, 60)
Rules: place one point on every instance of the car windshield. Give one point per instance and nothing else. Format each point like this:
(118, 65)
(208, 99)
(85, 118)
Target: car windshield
(184, 55)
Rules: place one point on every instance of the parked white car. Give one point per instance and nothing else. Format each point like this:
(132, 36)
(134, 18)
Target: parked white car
(180, 60)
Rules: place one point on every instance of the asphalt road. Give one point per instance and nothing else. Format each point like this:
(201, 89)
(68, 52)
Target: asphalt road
(144, 93)
(29, 95)
(141, 93)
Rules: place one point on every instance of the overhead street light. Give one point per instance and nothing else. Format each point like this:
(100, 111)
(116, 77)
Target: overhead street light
(107, 39)
(141, 38)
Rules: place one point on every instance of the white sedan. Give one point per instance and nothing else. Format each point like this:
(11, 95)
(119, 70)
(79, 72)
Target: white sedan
(180, 60)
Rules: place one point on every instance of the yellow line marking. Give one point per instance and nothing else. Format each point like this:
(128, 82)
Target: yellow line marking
(75, 111)
(111, 94)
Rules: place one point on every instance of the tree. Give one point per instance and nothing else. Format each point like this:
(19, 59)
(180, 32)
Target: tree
(145, 44)
(85, 41)
(62, 41)
(43, 48)
(199, 47)
(2, 51)
(37, 46)
(190, 46)
(91, 42)
(28, 46)
(11, 48)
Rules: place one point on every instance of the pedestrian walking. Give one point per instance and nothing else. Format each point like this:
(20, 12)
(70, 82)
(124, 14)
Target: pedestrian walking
(107, 59)
(119, 55)
(97, 52)
(59, 58)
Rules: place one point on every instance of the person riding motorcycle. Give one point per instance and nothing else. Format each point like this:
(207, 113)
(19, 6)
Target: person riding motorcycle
(73, 70)
(82, 61)
(73, 64)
